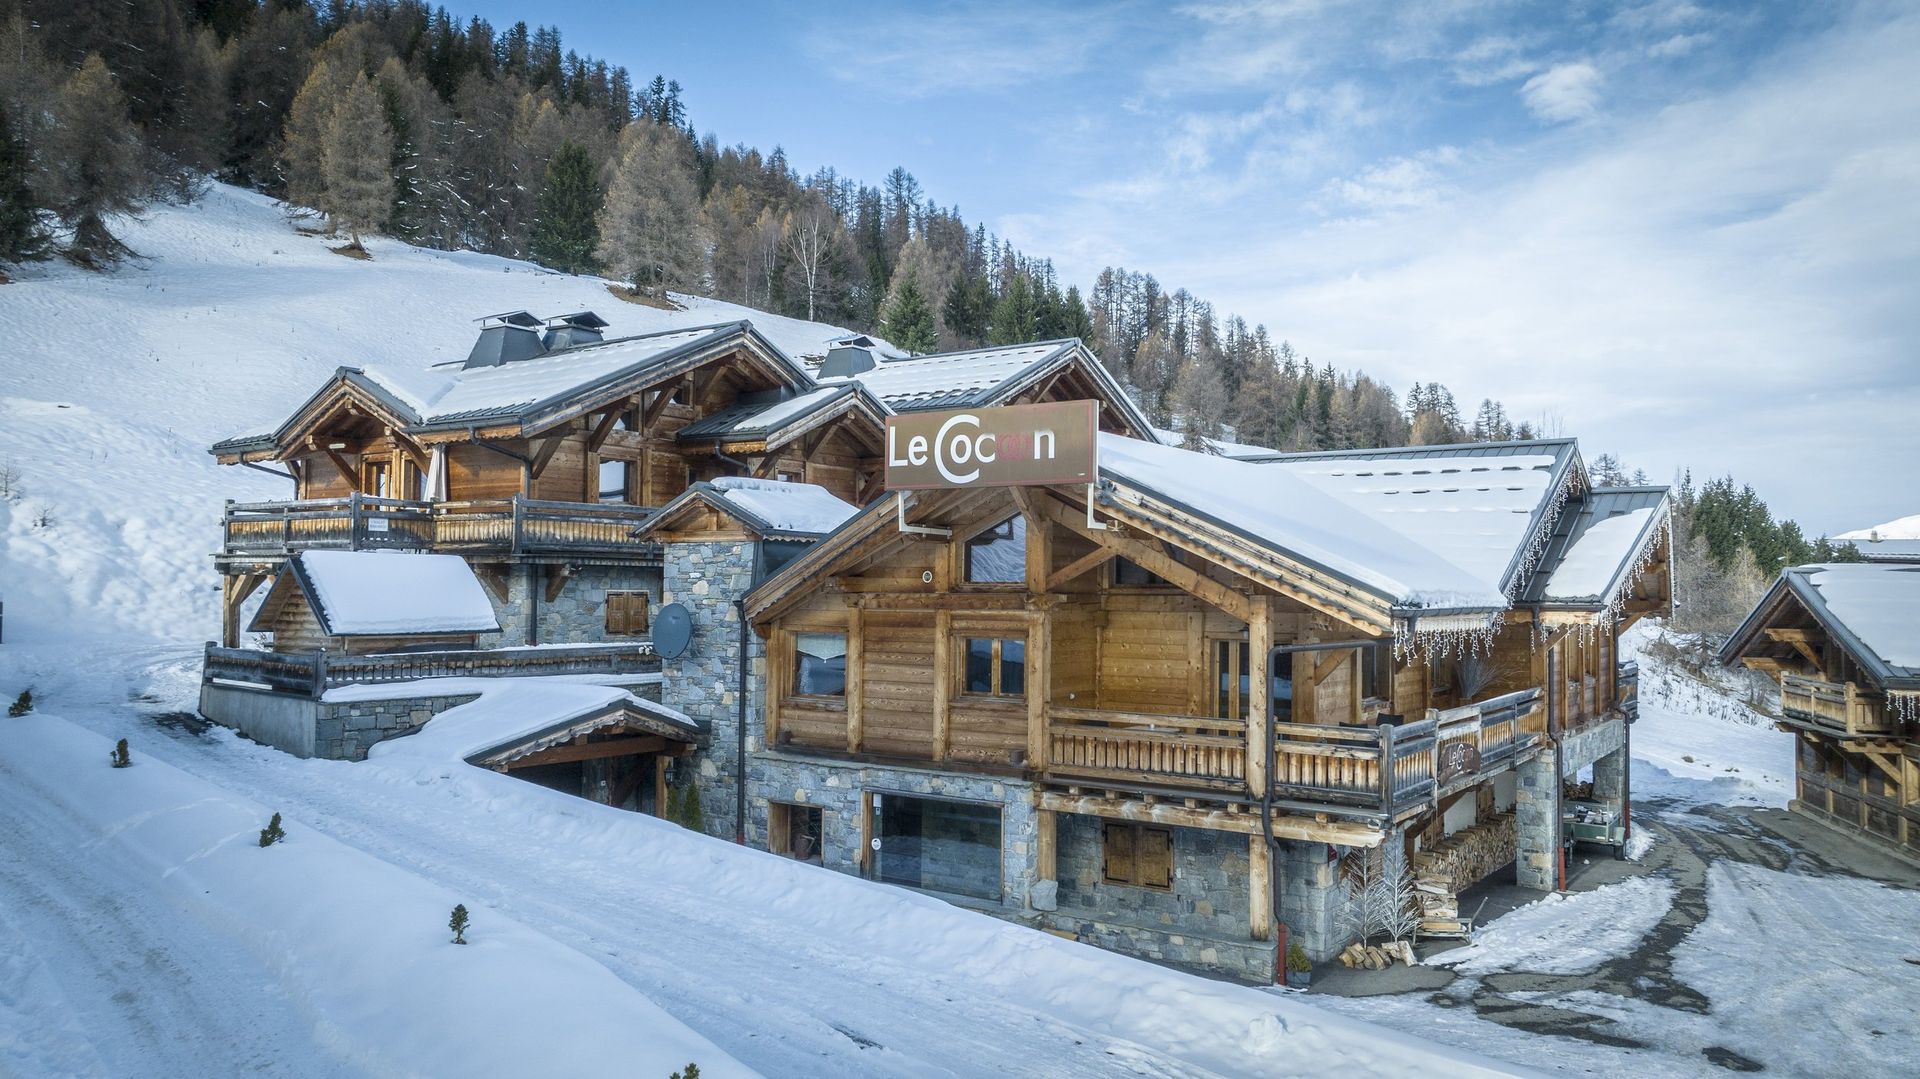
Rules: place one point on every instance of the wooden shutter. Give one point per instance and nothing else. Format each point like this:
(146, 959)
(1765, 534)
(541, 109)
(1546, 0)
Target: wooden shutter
(616, 614)
(1117, 861)
(1153, 858)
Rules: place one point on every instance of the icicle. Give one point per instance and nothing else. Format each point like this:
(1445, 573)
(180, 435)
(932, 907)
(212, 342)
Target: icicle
(1905, 705)
(1442, 638)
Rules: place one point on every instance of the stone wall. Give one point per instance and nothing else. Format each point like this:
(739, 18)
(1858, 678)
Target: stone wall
(839, 788)
(578, 615)
(1313, 898)
(704, 681)
(1589, 744)
(1536, 808)
(343, 731)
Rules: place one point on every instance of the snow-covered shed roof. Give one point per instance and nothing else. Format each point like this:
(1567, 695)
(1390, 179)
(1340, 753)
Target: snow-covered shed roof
(1298, 518)
(1486, 507)
(1597, 544)
(975, 378)
(386, 594)
(1871, 609)
(772, 508)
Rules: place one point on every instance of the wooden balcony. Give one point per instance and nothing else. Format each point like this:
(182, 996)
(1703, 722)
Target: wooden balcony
(1627, 694)
(1838, 707)
(514, 527)
(1387, 768)
(310, 674)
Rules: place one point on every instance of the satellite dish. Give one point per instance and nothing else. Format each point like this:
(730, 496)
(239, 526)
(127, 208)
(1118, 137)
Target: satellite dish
(672, 630)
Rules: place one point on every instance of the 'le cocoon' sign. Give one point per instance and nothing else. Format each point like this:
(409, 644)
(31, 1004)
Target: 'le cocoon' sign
(1009, 446)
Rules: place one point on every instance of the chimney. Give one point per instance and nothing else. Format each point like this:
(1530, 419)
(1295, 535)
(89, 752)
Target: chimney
(505, 338)
(844, 360)
(579, 328)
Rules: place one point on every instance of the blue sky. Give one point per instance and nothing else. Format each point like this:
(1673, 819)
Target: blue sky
(1685, 232)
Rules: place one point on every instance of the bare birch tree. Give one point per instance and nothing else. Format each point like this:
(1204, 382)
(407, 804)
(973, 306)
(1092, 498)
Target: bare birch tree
(812, 236)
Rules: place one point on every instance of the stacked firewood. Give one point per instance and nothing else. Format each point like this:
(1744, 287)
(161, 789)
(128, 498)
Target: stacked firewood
(1377, 956)
(1460, 861)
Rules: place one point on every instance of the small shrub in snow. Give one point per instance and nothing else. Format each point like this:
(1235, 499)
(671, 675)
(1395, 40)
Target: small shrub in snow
(120, 757)
(691, 1071)
(1297, 961)
(43, 516)
(272, 833)
(458, 923)
(23, 705)
(9, 479)
(686, 810)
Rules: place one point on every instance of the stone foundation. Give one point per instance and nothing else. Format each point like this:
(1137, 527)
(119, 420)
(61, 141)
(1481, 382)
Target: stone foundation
(704, 681)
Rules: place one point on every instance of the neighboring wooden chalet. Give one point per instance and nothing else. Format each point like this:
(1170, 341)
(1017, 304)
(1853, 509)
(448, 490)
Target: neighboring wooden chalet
(1098, 658)
(351, 602)
(1844, 642)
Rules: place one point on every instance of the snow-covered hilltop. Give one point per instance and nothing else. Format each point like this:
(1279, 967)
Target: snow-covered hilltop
(228, 321)
(1903, 528)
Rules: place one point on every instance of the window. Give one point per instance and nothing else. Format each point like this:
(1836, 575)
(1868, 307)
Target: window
(932, 843)
(996, 666)
(1230, 679)
(1130, 575)
(626, 613)
(613, 480)
(794, 830)
(1138, 855)
(373, 478)
(788, 477)
(683, 394)
(820, 664)
(1376, 672)
(999, 554)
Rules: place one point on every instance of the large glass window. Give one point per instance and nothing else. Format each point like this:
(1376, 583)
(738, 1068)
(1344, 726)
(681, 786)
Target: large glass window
(820, 664)
(996, 666)
(999, 555)
(942, 846)
(613, 480)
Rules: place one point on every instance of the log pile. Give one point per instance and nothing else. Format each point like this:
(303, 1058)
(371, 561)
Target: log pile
(1460, 861)
(1377, 956)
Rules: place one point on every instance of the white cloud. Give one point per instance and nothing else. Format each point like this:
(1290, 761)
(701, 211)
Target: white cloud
(1677, 45)
(1564, 92)
(929, 51)
(1399, 183)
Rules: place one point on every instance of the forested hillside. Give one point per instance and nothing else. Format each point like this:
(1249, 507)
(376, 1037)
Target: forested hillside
(394, 117)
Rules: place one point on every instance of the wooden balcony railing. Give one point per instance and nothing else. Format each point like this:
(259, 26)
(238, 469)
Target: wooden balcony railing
(1839, 706)
(310, 674)
(1182, 750)
(364, 523)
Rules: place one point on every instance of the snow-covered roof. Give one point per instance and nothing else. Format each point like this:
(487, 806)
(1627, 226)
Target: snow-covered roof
(1871, 609)
(1241, 451)
(1598, 542)
(1904, 528)
(393, 593)
(1484, 507)
(953, 379)
(753, 421)
(1301, 519)
(772, 508)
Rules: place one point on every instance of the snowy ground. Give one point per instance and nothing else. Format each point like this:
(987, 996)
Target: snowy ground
(1740, 938)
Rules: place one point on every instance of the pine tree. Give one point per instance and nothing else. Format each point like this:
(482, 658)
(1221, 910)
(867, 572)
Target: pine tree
(459, 923)
(649, 232)
(121, 757)
(23, 235)
(564, 233)
(98, 163)
(22, 705)
(359, 163)
(272, 833)
(909, 321)
(1013, 319)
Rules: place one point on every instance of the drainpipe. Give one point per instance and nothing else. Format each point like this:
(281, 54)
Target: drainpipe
(740, 722)
(533, 604)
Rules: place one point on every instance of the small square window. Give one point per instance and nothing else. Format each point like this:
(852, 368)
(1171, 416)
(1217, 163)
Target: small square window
(1127, 574)
(999, 554)
(820, 664)
(995, 666)
(626, 614)
(614, 480)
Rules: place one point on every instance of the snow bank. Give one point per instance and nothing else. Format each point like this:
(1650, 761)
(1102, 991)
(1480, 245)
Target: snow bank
(1697, 741)
(362, 944)
(1566, 934)
(398, 592)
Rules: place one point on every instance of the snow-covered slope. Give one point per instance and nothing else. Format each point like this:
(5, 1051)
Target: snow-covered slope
(112, 387)
(1905, 528)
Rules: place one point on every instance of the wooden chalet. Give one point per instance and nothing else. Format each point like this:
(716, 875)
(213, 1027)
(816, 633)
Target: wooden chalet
(1107, 650)
(1843, 640)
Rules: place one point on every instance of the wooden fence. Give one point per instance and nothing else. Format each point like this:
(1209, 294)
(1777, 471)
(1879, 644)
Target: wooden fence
(364, 523)
(311, 674)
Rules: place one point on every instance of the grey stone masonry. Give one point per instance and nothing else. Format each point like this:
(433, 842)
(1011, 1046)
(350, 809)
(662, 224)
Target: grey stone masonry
(344, 730)
(1591, 742)
(1313, 898)
(840, 790)
(704, 681)
(1536, 804)
(578, 615)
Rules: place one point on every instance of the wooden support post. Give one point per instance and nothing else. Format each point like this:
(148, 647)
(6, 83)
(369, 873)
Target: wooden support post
(1046, 850)
(1260, 685)
(855, 685)
(1259, 888)
(660, 785)
(1039, 686)
(942, 684)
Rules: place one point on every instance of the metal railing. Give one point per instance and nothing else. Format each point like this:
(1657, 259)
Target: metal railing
(358, 522)
(310, 674)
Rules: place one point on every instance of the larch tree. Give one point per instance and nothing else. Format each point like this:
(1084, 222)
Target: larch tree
(564, 231)
(649, 226)
(359, 163)
(909, 320)
(99, 167)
